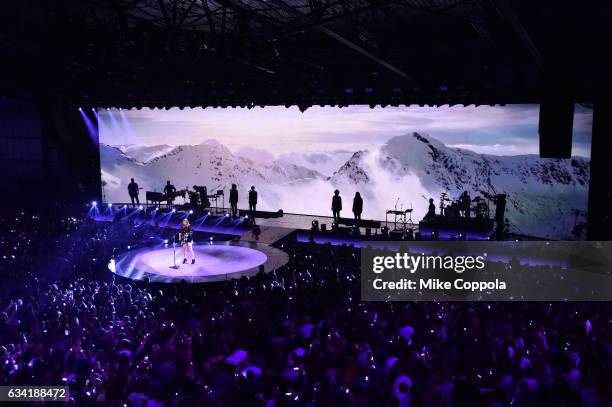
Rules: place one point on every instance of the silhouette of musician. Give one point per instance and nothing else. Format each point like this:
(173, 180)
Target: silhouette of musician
(169, 191)
(357, 206)
(133, 191)
(431, 210)
(465, 201)
(500, 209)
(233, 200)
(252, 201)
(336, 205)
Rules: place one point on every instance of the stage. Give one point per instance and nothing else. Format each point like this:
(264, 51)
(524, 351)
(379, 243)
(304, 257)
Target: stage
(214, 262)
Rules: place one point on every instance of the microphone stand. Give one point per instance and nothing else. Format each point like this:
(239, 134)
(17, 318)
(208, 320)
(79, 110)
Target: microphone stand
(175, 266)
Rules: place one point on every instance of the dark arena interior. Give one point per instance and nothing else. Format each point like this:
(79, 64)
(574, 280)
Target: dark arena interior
(207, 203)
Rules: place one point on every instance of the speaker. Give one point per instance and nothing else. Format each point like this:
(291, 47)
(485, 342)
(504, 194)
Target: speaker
(555, 129)
(323, 227)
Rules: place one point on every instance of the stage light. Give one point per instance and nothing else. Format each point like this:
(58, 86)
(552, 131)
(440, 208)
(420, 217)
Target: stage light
(227, 215)
(173, 210)
(191, 211)
(110, 205)
(80, 109)
(108, 109)
(129, 247)
(94, 203)
(246, 216)
(140, 207)
(209, 214)
(211, 238)
(124, 206)
(166, 241)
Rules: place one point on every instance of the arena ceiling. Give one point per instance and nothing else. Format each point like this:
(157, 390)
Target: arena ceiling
(127, 53)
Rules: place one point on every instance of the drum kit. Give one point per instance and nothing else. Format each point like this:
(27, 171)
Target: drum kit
(463, 207)
(200, 197)
(481, 207)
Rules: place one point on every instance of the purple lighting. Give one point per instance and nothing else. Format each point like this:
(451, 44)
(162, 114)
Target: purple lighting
(92, 127)
(216, 262)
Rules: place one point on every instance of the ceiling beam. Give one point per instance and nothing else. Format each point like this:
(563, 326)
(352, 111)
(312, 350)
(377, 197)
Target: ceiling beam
(239, 8)
(186, 12)
(505, 10)
(343, 40)
(336, 18)
(162, 8)
(209, 17)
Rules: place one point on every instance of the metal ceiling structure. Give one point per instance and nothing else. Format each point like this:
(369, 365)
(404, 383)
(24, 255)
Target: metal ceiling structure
(166, 53)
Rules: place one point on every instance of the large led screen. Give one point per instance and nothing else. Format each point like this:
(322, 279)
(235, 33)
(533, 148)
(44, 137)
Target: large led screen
(396, 158)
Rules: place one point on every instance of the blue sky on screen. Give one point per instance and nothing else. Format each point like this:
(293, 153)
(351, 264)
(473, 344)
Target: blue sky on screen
(501, 130)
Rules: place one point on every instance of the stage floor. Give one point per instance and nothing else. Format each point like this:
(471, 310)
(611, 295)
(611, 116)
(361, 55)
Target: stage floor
(214, 262)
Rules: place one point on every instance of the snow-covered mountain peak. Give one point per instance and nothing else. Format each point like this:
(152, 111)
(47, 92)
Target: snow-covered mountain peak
(212, 143)
(546, 197)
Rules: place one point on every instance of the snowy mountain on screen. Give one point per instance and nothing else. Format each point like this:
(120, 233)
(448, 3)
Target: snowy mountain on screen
(144, 153)
(117, 168)
(208, 163)
(326, 162)
(545, 197)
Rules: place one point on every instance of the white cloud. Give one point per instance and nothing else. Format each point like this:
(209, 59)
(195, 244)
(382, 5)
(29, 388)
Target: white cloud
(281, 130)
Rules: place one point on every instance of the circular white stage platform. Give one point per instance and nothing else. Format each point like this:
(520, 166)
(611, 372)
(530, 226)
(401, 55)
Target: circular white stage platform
(214, 262)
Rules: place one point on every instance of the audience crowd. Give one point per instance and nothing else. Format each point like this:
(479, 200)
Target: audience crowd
(296, 336)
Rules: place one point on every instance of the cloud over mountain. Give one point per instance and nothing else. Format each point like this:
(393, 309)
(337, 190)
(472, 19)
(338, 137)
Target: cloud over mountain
(546, 197)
